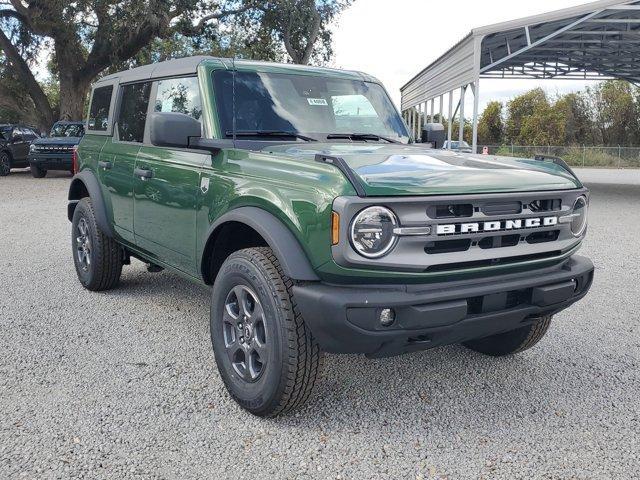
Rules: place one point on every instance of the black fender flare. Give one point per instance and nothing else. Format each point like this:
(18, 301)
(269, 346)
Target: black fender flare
(81, 184)
(280, 239)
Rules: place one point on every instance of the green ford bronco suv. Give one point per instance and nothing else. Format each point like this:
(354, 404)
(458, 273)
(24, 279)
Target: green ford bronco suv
(298, 194)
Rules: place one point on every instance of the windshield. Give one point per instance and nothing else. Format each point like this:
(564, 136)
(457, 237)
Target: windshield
(5, 132)
(307, 105)
(67, 130)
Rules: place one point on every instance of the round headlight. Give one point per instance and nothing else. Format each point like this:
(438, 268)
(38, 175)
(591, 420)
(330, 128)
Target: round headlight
(372, 233)
(579, 221)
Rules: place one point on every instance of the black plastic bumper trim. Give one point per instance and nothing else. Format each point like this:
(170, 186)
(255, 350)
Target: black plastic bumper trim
(61, 161)
(345, 319)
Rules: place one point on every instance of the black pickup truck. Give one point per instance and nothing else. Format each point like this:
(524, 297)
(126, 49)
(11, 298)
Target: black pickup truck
(55, 152)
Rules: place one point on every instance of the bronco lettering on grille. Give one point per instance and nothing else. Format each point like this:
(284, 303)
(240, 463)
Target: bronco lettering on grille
(496, 226)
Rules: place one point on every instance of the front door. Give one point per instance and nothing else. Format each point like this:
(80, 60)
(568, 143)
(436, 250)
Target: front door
(167, 183)
(19, 144)
(166, 188)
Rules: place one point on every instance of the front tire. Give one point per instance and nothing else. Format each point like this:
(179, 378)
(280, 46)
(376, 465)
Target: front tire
(512, 342)
(38, 172)
(266, 355)
(97, 257)
(5, 164)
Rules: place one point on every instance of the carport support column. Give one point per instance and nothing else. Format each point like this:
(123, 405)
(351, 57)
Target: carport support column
(425, 119)
(411, 120)
(414, 112)
(450, 129)
(461, 129)
(477, 51)
(476, 103)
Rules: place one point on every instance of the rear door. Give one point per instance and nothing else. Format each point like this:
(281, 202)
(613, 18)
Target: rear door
(117, 159)
(167, 183)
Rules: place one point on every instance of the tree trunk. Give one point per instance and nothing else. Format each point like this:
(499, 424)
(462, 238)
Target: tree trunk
(73, 94)
(21, 68)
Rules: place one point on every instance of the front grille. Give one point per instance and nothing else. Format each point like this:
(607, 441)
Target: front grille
(448, 246)
(467, 231)
(504, 208)
(499, 241)
(552, 205)
(491, 262)
(542, 237)
(52, 148)
(463, 210)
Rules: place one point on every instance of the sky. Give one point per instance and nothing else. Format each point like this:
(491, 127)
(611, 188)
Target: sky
(395, 39)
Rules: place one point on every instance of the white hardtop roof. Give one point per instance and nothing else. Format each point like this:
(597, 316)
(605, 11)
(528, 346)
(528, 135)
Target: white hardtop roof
(189, 65)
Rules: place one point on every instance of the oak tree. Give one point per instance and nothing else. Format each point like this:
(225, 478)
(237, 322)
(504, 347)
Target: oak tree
(88, 37)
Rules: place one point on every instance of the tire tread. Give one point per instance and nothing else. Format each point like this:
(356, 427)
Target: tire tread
(512, 342)
(108, 264)
(538, 330)
(304, 359)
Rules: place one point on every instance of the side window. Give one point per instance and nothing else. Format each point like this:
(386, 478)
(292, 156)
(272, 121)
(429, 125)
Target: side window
(99, 112)
(180, 95)
(133, 112)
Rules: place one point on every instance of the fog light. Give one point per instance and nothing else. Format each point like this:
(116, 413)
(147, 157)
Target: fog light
(387, 317)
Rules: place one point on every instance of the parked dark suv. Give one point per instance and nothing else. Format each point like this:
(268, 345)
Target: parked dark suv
(56, 151)
(14, 146)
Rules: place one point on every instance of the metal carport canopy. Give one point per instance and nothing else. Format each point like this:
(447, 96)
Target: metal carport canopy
(597, 40)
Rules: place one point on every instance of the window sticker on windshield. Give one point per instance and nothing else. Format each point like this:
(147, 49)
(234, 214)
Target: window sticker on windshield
(317, 101)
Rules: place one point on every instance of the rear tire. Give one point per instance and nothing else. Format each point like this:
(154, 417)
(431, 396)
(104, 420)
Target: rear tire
(97, 257)
(512, 342)
(38, 172)
(266, 355)
(5, 164)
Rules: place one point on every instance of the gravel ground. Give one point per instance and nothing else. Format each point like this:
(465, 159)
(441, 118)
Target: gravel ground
(123, 384)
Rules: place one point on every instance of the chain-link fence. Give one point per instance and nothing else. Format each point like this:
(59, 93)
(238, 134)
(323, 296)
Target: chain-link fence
(613, 157)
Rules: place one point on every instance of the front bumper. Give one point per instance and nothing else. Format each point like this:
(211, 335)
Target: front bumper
(51, 161)
(345, 319)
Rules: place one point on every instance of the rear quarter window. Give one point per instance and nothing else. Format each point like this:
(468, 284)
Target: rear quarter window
(99, 110)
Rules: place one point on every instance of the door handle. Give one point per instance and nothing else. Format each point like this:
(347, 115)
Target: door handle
(105, 165)
(143, 173)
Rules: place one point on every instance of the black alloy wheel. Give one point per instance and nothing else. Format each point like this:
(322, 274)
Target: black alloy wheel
(265, 353)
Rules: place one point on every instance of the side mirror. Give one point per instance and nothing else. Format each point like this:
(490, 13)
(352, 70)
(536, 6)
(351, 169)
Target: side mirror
(433, 133)
(170, 129)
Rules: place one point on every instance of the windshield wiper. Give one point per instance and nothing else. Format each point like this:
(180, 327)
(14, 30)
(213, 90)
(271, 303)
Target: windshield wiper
(268, 133)
(360, 136)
